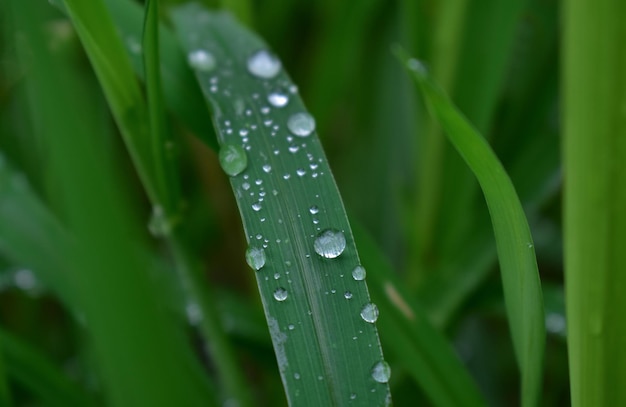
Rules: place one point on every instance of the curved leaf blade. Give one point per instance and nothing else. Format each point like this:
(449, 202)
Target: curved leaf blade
(287, 196)
(518, 265)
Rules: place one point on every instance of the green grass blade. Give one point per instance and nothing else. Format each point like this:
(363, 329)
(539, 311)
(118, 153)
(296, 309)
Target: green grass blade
(594, 153)
(518, 266)
(143, 357)
(40, 376)
(5, 393)
(286, 195)
(104, 48)
(166, 176)
(410, 338)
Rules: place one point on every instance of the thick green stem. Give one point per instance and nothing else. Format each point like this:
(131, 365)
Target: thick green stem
(594, 95)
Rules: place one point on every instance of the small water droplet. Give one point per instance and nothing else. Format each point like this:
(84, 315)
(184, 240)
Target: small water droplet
(381, 372)
(300, 172)
(359, 273)
(369, 313)
(280, 294)
(159, 224)
(265, 110)
(353, 396)
(255, 257)
(264, 65)
(296, 376)
(276, 276)
(301, 124)
(245, 186)
(233, 159)
(278, 99)
(25, 279)
(267, 168)
(293, 149)
(286, 176)
(291, 327)
(256, 206)
(330, 243)
(201, 60)
(417, 66)
(314, 209)
(347, 295)
(194, 313)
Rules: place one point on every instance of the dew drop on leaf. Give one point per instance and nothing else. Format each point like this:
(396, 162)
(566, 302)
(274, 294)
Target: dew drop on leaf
(369, 313)
(330, 243)
(359, 273)
(381, 372)
(201, 60)
(314, 209)
(347, 295)
(255, 257)
(277, 99)
(264, 65)
(301, 124)
(280, 294)
(233, 159)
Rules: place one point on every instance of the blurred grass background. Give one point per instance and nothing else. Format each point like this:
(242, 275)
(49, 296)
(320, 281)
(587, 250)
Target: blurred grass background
(398, 177)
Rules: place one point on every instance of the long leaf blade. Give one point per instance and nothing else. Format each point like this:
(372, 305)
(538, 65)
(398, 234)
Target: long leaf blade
(518, 265)
(287, 196)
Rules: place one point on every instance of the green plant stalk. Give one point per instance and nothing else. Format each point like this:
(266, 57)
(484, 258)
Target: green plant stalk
(518, 265)
(148, 147)
(5, 393)
(594, 156)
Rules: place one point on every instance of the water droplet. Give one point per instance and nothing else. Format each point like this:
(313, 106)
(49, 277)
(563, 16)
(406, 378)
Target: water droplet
(267, 168)
(194, 313)
(278, 99)
(276, 276)
(347, 295)
(369, 313)
(159, 224)
(330, 243)
(255, 257)
(233, 159)
(245, 186)
(381, 372)
(25, 279)
(265, 110)
(296, 376)
(243, 132)
(280, 294)
(300, 172)
(256, 206)
(201, 60)
(417, 66)
(314, 209)
(359, 273)
(301, 124)
(353, 396)
(264, 65)
(293, 149)
(291, 327)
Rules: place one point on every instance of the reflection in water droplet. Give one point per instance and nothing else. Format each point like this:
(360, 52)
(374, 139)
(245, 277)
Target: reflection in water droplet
(280, 294)
(369, 313)
(264, 65)
(201, 60)
(330, 243)
(255, 257)
(381, 372)
(358, 273)
(278, 99)
(301, 124)
(233, 159)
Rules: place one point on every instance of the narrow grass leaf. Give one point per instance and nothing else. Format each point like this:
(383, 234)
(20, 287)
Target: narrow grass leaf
(143, 357)
(412, 340)
(301, 248)
(518, 266)
(594, 153)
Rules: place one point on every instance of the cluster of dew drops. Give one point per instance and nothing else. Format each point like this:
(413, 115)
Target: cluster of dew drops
(329, 243)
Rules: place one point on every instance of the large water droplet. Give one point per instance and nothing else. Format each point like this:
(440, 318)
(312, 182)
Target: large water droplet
(280, 294)
(301, 124)
(381, 372)
(330, 243)
(369, 313)
(233, 159)
(255, 257)
(201, 60)
(278, 99)
(358, 273)
(264, 65)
